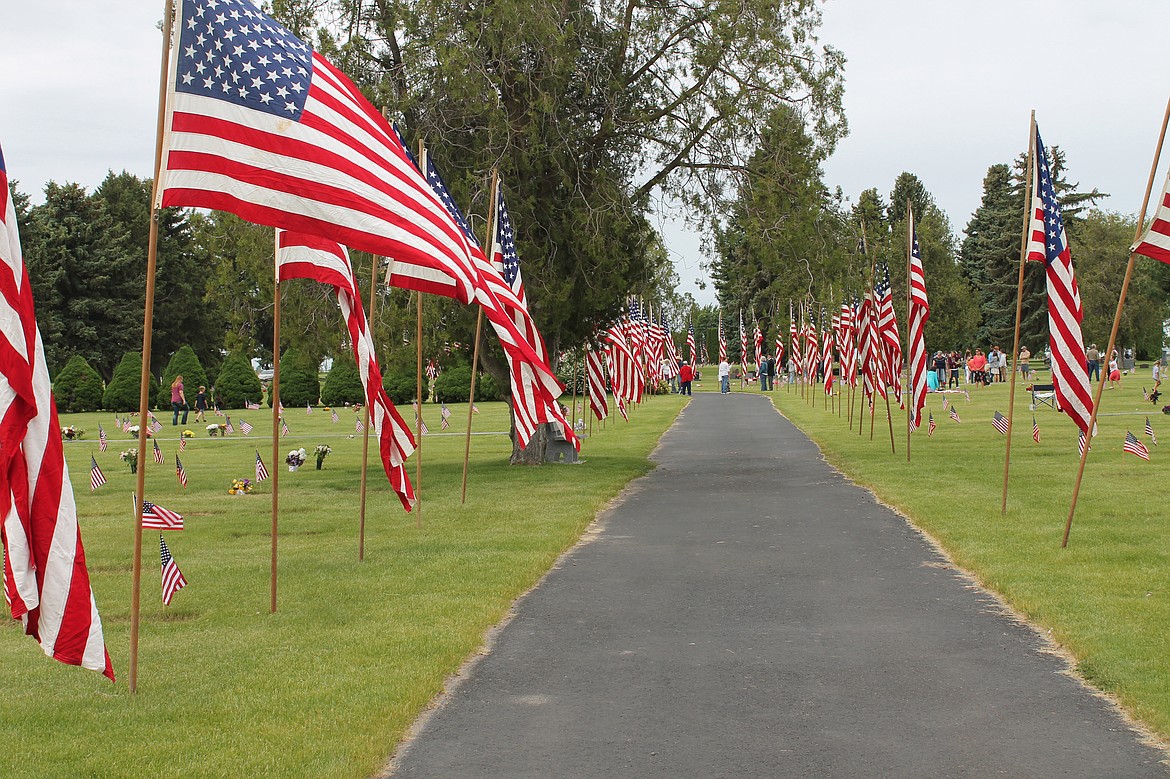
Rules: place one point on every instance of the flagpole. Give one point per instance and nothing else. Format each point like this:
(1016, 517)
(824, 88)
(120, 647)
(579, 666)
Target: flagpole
(366, 432)
(274, 397)
(1028, 184)
(478, 330)
(147, 327)
(1116, 322)
(909, 344)
(589, 411)
(418, 434)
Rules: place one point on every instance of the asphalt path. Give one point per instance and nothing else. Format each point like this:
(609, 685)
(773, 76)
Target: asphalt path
(745, 611)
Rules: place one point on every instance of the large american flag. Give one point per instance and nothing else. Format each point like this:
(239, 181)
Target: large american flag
(691, 343)
(308, 257)
(172, 577)
(827, 352)
(46, 583)
(722, 340)
(758, 338)
(534, 386)
(1049, 244)
(793, 338)
(669, 352)
(887, 325)
(1155, 242)
(595, 376)
(625, 374)
(848, 344)
(919, 314)
(872, 364)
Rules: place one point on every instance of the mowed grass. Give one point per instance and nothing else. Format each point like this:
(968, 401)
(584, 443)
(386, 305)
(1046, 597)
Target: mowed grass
(1106, 598)
(328, 684)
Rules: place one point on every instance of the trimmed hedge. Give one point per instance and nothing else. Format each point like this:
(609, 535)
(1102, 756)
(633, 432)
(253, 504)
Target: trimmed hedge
(237, 382)
(299, 385)
(122, 392)
(400, 387)
(343, 384)
(183, 363)
(454, 384)
(78, 387)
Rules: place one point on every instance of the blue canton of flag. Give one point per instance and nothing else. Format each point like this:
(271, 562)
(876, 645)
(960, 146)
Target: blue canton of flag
(507, 236)
(440, 188)
(261, 66)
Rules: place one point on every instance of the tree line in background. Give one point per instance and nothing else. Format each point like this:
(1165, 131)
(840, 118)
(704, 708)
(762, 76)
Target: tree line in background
(787, 237)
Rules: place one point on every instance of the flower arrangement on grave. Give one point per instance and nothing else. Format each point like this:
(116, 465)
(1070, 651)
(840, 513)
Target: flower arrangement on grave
(240, 487)
(130, 457)
(296, 458)
(321, 451)
(213, 429)
(71, 433)
(133, 431)
(188, 433)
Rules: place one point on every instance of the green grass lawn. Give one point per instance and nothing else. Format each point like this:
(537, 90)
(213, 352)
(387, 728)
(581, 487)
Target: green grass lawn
(1106, 598)
(329, 684)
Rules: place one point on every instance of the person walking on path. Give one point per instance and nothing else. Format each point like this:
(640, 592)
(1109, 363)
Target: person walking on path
(685, 376)
(1093, 362)
(178, 400)
(724, 377)
(201, 404)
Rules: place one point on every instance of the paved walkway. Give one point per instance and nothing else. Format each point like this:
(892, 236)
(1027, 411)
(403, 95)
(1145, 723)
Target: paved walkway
(746, 612)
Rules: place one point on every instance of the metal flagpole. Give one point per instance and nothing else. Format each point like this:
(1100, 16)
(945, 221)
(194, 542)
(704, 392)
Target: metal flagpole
(1116, 323)
(147, 333)
(1028, 184)
(274, 397)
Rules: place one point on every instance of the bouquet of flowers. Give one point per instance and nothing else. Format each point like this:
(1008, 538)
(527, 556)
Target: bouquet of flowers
(321, 451)
(130, 457)
(188, 433)
(213, 430)
(296, 458)
(69, 433)
(240, 487)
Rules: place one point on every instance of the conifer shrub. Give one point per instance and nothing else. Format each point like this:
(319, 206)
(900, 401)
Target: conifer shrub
(186, 364)
(78, 387)
(237, 382)
(299, 385)
(453, 385)
(343, 384)
(122, 391)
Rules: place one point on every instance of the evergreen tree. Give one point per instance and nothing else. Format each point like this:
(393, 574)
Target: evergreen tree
(990, 255)
(299, 385)
(343, 384)
(186, 364)
(237, 383)
(77, 387)
(122, 391)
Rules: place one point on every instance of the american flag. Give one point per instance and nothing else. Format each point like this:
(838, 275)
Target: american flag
(180, 471)
(722, 340)
(1035, 430)
(280, 408)
(158, 457)
(847, 346)
(283, 427)
(758, 340)
(621, 407)
(245, 428)
(182, 443)
(955, 414)
(887, 324)
(1134, 446)
(691, 344)
(261, 471)
(811, 350)
(445, 414)
(103, 442)
(155, 517)
(250, 406)
(219, 413)
(534, 386)
(155, 425)
(228, 426)
(419, 422)
(670, 354)
(873, 367)
(359, 427)
(625, 376)
(1150, 432)
(794, 352)
(827, 353)
(431, 370)
(779, 348)
(930, 425)
(474, 409)
(96, 477)
(595, 377)
(308, 410)
(1145, 394)
(1155, 243)
(946, 404)
(1081, 444)
(1049, 244)
(1000, 422)
(743, 346)
(919, 314)
(172, 577)
(333, 416)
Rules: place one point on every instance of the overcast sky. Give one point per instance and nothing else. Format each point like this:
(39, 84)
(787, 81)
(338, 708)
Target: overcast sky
(941, 88)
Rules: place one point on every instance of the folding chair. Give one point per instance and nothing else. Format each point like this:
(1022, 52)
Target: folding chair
(1043, 395)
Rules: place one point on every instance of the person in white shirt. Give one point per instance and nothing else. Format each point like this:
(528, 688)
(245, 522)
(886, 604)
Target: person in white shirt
(724, 377)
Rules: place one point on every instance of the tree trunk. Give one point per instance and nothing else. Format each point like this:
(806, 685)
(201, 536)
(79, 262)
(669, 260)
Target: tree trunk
(533, 454)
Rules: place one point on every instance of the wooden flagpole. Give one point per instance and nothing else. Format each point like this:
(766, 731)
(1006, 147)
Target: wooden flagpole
(366, 433)
(147, 333)
(1116, 322)
(909, 345)
(491, 230)
(275, 399)
(1013, 358)
(418, 434)
(588, 394)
